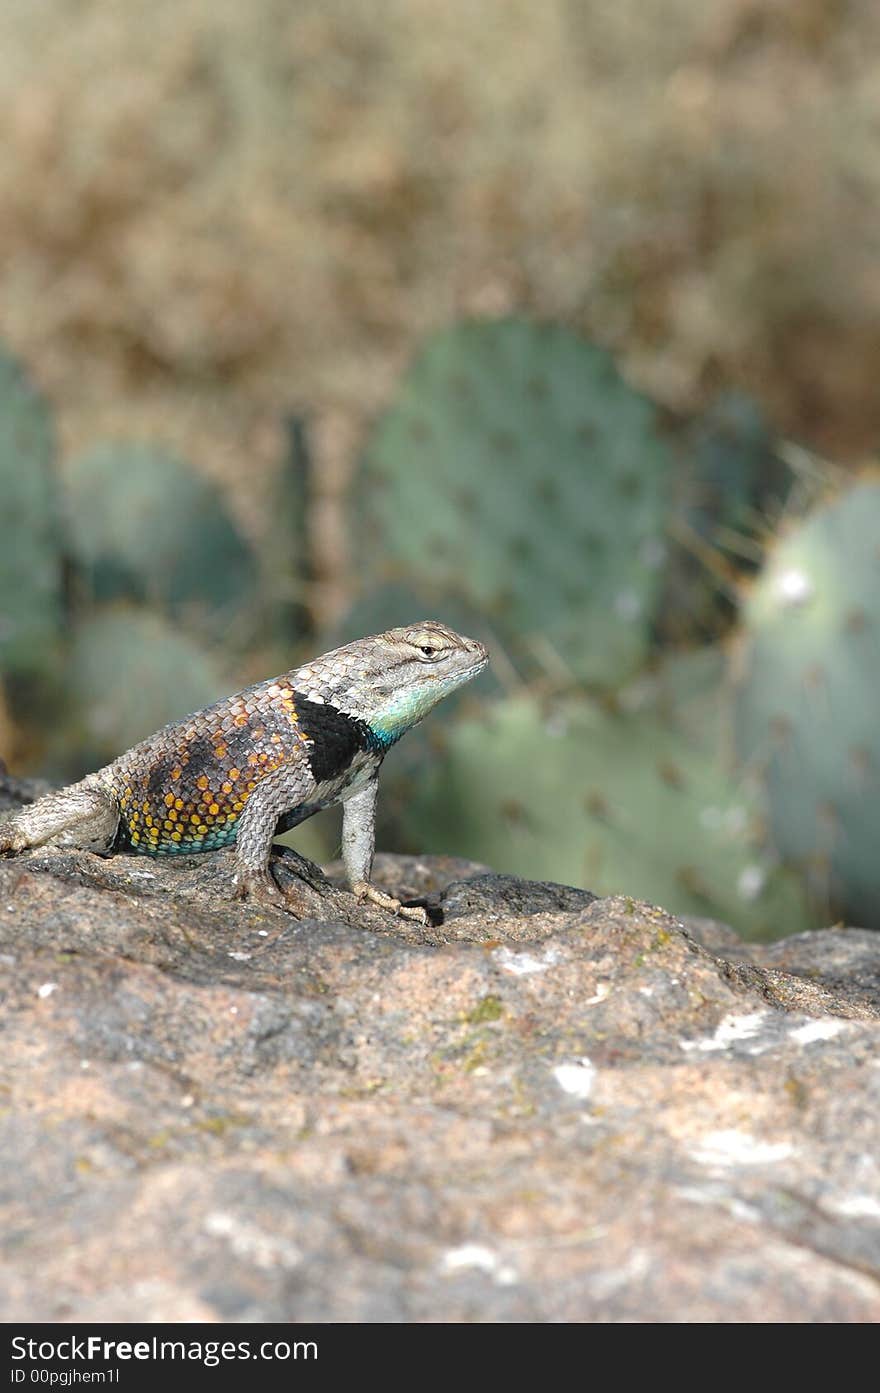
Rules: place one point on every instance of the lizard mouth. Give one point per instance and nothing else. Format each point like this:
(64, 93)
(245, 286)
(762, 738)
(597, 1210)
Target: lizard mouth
(473, 668)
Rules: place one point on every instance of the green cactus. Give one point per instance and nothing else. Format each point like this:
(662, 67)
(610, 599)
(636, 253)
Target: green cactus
(730, 485)
(30, 557)
(691, 692)
(618, 803)
(733, 476)
(130, 672)
(285, 549)
(141, 525)
(806, 713)
(519, 472)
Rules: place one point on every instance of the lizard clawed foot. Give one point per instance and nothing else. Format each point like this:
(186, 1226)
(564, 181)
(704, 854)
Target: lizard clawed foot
(363, 890)
(259, 887)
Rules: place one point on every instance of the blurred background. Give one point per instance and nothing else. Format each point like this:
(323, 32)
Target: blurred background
(560, 323)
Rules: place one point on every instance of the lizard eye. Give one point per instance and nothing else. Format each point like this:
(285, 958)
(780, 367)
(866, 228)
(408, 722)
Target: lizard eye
(427, 649)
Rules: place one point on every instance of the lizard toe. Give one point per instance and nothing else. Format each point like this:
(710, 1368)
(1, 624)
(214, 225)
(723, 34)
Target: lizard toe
(363, 890)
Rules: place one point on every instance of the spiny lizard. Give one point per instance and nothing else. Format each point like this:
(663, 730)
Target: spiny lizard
(261, 761)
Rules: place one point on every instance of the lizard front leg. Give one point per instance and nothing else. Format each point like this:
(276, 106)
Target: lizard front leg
(358, 845)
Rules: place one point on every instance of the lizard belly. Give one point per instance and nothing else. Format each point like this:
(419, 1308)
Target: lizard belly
(362, 769)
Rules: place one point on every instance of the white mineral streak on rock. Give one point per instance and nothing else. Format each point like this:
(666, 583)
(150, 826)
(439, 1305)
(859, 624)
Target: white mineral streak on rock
(856, 1206)
(729, 1032)
(475, 1257)
(521, 964)
(246, 1240)
(817, 1030)
(576, 1079)
(734, 1148)
(602, 990)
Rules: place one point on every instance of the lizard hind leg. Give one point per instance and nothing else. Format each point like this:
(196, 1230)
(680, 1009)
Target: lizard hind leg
(84, 815)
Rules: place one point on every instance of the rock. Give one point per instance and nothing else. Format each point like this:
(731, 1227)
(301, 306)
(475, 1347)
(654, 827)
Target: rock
(542, 1107)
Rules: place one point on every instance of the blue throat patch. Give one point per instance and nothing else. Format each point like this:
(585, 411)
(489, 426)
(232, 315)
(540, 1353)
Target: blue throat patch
(404, 710)
(384, 739)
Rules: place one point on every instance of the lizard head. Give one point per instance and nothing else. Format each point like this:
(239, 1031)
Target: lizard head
(394, 679)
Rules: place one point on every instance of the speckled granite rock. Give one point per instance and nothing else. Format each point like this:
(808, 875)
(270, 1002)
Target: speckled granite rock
(544, 1107)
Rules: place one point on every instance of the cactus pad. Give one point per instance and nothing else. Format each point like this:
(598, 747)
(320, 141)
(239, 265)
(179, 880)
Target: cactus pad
(30, 563)
(615, 803)
(808, 699)
(519, 472)
(142, 525)
(131, 672)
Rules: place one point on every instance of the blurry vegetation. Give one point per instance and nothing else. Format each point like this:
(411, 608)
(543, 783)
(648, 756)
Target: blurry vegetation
(350, 314)
(568, 791)
(129, 671)
(30, 556)
(212, 210)
(141, 525)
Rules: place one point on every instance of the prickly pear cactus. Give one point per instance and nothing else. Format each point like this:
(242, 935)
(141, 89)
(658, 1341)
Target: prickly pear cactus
(285, 550)
(142, 525)
(691, 693)
(730, 486)
(30, 558)
(130, 672)
(807, 704)
(616, 803)
(519, 472)
(733, 477)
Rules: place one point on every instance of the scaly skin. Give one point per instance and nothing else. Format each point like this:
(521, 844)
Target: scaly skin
(263, 760)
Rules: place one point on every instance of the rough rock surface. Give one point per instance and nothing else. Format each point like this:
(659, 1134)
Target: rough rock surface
(544, 1107)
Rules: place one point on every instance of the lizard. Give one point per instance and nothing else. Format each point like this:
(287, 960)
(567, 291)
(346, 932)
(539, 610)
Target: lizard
(263, 760)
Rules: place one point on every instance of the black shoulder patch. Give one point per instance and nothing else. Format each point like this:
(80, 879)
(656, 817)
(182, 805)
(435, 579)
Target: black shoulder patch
(335, 737)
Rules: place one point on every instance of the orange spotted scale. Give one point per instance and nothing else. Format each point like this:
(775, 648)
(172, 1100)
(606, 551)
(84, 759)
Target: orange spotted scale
(190, 794)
